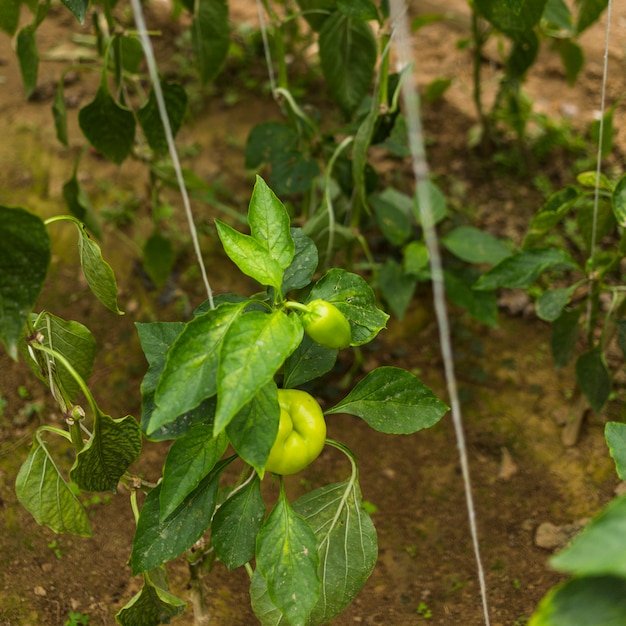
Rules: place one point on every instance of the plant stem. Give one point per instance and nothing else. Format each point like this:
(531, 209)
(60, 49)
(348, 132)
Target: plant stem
(479, 41)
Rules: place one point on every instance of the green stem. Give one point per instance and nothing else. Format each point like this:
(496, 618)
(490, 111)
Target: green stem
(297, 306)
(76, 436)
(55, 430)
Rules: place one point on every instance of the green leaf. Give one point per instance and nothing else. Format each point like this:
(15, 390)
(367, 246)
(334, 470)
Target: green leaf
(364, 10)
(572, 57)
(250, 256)
(236, 524)
(158, 258)
(316, 12)
(268, 142)
(438, 203)
(603, 217)
(59, 112)
(590, 179)
(24, 260)
(615, 434)
(157, 541)
(551, 303)
(287, 558)
(210, 32)
(302, 268)
(97, 271)
(149, 117)
(78, 8)
(154, 604)
(619, 201)
(392, 210)
(190, 372)
(551, 213)
(436, 89)
(523, 268)
(269, 224)
(109, 127)
(188, 461)
(254, 348)
(26, 48)
(586, 601)
(9, 15)
(564, 336)
(621, 335)
(391, 400)
(559, 14)
(348, 544)
(73, 341)
(589, 12)
(252, 432)
(593, 377)
(415, 258)
(308, 362)
(351, 294)
(114, 444)
(481, 305)
(79, 204)
(475, 246)
(396, 286)
(512, 17)
(44, 493)
(348, 55)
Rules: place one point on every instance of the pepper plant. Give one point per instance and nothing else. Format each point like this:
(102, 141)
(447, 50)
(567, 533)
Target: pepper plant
(225, 388)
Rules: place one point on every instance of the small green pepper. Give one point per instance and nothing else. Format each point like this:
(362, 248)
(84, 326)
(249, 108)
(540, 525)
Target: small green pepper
(326, 325)
(301, 433)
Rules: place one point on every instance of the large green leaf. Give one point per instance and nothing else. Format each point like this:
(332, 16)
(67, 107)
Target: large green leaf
(586, 601)
(524, 267)
(348, 55)
(73, 341)
(157, 541)
(351, 294)
(28, 56)
(236, 524)
(43, 492)
(153, 604)
(392, 400)
(9, 15)
(308, 362)
(593, 377)
(475, 246)
(24, 259)
(188, 461)
(114, 444)
(254, 348)
(190, 372)
(210, 33)
(615, 434)
(109, 127)
(287, 557)
(589, 11)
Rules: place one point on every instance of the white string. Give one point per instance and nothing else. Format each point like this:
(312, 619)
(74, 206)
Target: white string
(596, 197)
(421, 174)
(169, 136)
(266, 47)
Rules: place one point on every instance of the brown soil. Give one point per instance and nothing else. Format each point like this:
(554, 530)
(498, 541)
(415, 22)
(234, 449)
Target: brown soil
(515, 404)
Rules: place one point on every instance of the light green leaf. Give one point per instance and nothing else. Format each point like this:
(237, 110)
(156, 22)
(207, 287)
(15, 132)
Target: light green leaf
(559, 14)
(392, 400)
(24, 260)
(188, 461)
(351, 294)
(551, 303)
(112, 447)
(269, 224)
(254, 348)
(615, 434)
(415, 258)
(26, 48)
(475, 246)
(364, 10)
(348, 54)
(154, 604)
(190, 372)
(97, 271)
(619, 201)
(551, 213)
(589, 179)
(210, 33)
(308, 362)
(593, 377)
(44, 493)
(438, 203)
(236, 524)
(287, 557)
(250, 256)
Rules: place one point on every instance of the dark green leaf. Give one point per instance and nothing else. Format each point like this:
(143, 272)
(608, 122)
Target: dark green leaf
(348, 55)
(603, 218)
(523, 55)
(396, 286)
(24, 260)
(593, 377)
(188, 461)
(59, 112)
(211, 37)
(236, 524)
(619, 201)
(551, 213)
(512, 17)
(9, 16)
(305, 260)
(475, 246)
(364, 10)
(391, 400)
(252, 432)
(44, 493)
(154, 604)
(109, 127)
(158, 258)
(268, 142)
(28, 57)
(572, 57)
(435, 89)
(589, 12)
(130, 52)
(317, 11)
(80, 206)
(351, 294)
(551, 303)
(308, 362)
(615, 434)
(157, 541)
(481, 305)
(78, 8)
(392, 210)
(112, 447)
(150, 119)
(564, 337)
(293, 173)
(559, 14)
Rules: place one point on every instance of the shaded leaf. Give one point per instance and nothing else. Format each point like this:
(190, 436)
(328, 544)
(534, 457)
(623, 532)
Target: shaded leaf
(396, 286)
(79, 204)
(308, 362)
(564, 337)
(26, 48)
(158, 258)
(619, 201)
(300, 272)
(210, 32)
(593, 377)
(552, 302)
(9, 16)
(78, 8)
(615, 434)
(475, 246)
